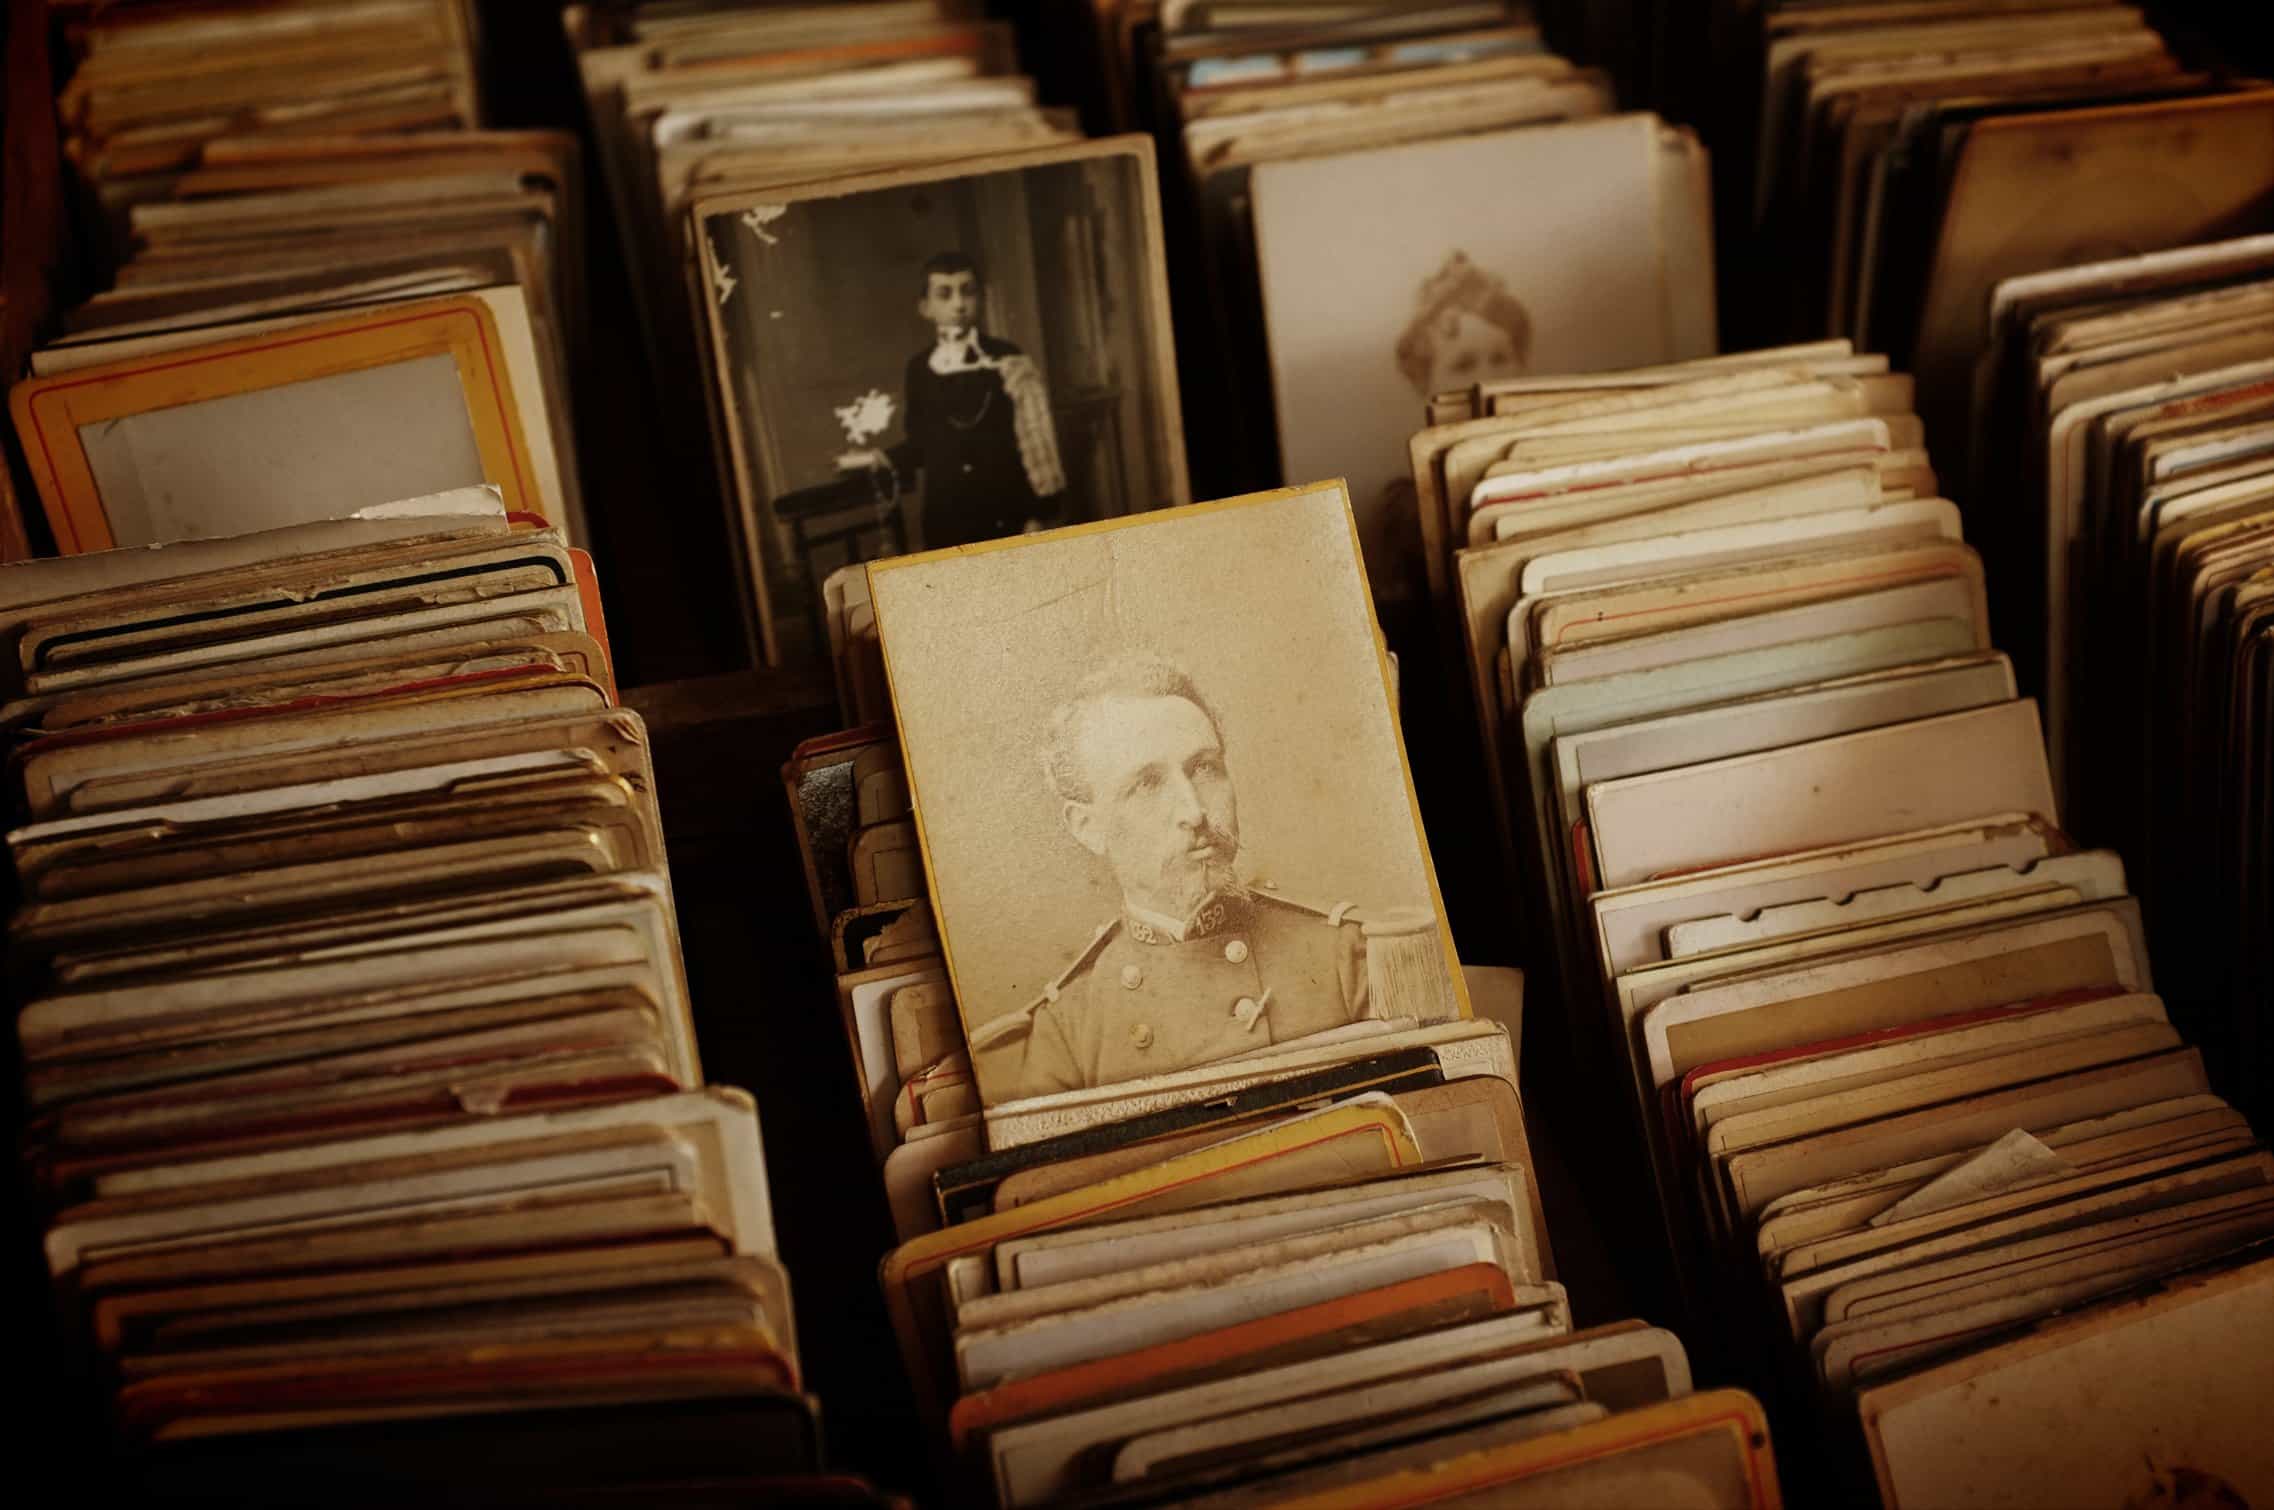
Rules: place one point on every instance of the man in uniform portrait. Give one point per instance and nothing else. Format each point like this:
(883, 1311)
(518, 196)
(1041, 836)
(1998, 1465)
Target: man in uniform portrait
(1196, 967)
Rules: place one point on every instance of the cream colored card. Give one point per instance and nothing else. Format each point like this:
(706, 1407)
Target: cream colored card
(1112, 793)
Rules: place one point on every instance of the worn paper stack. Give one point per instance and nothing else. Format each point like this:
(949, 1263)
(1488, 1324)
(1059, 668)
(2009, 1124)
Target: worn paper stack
(153, 87)
(2124, 409)
(1213, 1187)
(1928, 1144)
(364, 1099)
(324, 290)
(1896, 163)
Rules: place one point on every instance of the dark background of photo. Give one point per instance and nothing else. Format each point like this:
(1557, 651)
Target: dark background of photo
(827, 312)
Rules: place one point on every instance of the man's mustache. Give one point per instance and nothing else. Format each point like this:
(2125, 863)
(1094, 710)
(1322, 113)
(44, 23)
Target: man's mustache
(1208, 836)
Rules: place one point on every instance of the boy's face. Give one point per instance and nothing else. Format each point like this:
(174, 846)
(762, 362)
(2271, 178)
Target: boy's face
(951, 301)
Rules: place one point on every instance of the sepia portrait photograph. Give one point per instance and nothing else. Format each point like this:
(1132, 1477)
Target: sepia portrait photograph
(1162, 794)
(1436, 288)
(920, 360)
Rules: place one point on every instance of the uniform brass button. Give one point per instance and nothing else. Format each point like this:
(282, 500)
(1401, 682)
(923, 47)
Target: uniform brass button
(1132, 977)
(967, 468)
(1237, 951)
(1141, 1035)
(1247, 1009)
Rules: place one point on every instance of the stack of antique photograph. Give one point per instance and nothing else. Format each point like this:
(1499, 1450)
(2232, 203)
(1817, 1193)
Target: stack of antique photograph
(1232, 1186)
(363, 1093)
(1896, 1059)
(1419, 752)
(365, 298)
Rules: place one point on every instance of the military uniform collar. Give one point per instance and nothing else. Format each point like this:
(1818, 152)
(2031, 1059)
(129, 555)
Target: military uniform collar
(1220, 911)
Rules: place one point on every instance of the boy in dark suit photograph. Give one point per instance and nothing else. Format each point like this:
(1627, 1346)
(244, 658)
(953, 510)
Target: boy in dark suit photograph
(977, 425)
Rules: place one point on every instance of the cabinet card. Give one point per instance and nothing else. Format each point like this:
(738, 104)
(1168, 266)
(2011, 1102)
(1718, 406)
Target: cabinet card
(1118, 738)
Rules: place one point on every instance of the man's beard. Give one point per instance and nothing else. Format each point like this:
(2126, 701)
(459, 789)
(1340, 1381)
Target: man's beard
(1188, 879)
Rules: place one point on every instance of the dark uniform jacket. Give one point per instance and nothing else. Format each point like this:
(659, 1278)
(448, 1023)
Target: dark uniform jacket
(1254, 969)
(963, 437)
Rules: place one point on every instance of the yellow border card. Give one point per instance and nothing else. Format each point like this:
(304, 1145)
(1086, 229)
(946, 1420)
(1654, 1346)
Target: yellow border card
(57, 416)
(1164, 802)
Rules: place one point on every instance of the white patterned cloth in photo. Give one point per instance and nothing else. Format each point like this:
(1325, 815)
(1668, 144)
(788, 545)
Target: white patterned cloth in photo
(1038, 436)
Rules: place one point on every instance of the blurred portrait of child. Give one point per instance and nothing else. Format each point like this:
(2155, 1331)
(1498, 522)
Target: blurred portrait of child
(976, 422)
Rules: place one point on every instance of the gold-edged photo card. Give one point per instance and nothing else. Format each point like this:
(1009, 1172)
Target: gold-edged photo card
(915, 360)
(1162, 794)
